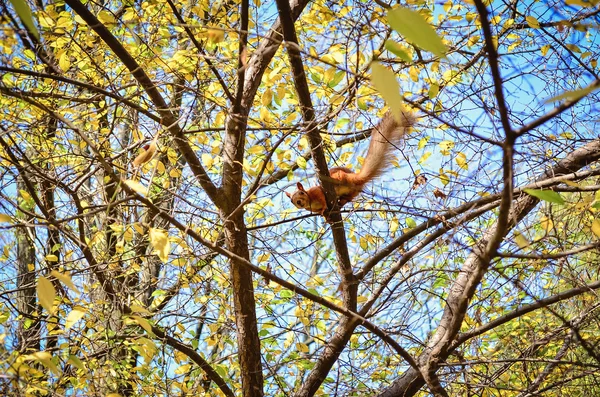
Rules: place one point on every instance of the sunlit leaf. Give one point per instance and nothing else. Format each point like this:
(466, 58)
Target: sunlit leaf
(416, 29)
(5, 218)
(385, 82)
(461, 160)
(106, 17)
(521, 240)
(46, 293)
(46, 359)
(533, 22)
(183, 369)
(76, 314)
(574, 95)
(136, 187)
(397, 50)
(216, 35)
(596, 227)
(160, 242)
(145, 324)
(302, 347)
(581, 3)
(546, 195)
(65, 279)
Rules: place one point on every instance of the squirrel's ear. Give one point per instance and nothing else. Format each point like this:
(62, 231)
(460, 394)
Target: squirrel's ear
(287, 194)
(299, 186)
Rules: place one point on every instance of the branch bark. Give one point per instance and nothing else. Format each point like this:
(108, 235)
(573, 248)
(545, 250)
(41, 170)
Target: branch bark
(461, 291)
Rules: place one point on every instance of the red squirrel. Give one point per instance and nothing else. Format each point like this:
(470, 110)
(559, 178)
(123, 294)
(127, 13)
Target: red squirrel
(384, 137)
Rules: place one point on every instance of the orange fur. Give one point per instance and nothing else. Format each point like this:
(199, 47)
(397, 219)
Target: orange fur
(384, 137)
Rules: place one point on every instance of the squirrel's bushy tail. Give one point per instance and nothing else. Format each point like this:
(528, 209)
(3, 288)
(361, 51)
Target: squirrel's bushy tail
(385, 137)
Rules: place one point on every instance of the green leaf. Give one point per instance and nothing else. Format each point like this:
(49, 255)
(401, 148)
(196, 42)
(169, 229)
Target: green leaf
(416, 30)
(24, 13)
(546, 195)
(434, 89)
(574, 95)
(336, 79)
(385, 82)
(397, 50)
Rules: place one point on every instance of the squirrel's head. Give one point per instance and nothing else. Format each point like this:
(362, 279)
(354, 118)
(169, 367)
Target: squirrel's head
(299, 198)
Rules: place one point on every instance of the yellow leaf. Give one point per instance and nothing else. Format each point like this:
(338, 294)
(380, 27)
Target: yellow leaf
(139, 309)
(415, 29)
(136, 187)
(76, 314)
(521, 241)
(461, 160)
(65, 279)
(5, 218)
(183, 369)
(64, 61)
(160, 242)
(533, 22)
(546, 224)
(596, 227)
(106, 18)
(302, 347)
(544, 49)
(46, 293)
(207, 160)
(444, 178)
(445, 147)
(46, 359)
(145, 324)
(385, 82)
(263, 257)
(424, 158)
(301, 161)
(45, 20)
(216, 35)
(267, 97)
(256, 149)
(394, 225)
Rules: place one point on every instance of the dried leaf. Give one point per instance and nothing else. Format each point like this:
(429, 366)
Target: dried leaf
(437, 193)
(419, 181)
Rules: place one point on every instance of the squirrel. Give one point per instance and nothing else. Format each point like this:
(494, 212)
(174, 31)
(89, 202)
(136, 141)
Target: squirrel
(348, 184)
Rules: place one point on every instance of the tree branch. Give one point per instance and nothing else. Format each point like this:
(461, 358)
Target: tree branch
(168, 119)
